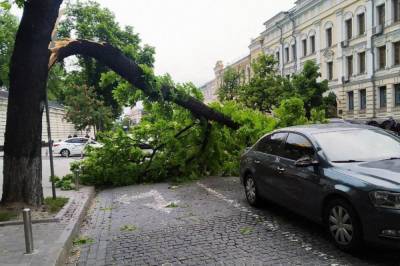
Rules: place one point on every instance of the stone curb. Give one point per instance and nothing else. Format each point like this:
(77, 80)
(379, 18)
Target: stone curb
(72, 230)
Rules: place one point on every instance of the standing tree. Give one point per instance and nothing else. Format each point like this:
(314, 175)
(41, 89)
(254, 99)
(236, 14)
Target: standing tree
(231, 81)
(265, 89)
(28, 76)
(88, 20)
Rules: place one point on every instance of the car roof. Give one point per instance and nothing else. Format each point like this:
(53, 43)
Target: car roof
(323, 128)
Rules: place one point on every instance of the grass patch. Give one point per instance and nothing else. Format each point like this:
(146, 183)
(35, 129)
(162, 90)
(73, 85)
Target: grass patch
(8, 215)
(246, 230)
(128, 228)
(83, 240)
(172, 205)
(54, 205)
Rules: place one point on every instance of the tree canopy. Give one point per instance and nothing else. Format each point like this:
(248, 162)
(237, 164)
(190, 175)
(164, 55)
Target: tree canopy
(8, 30)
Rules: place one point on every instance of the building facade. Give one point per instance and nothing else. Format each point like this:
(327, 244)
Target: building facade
(60, 128)
(356, 44)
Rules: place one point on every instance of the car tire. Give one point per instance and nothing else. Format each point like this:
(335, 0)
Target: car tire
(343, 225)
(251, 191)
(65, 153)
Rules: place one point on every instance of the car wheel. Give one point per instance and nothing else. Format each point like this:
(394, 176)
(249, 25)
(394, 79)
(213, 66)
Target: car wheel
(250, 188)
(65, 153)
(343, 225)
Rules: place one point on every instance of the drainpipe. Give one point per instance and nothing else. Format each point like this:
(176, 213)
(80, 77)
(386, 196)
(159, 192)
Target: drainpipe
(282, 50)
(373, 63)
(294, 37)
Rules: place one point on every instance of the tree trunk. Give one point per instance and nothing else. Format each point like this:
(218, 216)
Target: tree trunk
(28, 76)
(129, 70)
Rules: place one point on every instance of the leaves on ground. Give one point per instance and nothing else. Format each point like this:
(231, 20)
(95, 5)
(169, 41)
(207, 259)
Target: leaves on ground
(246, 230)
(83, 240)
(128, 228)
(172, 205)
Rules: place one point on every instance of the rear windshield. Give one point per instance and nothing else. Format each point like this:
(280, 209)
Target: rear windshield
(358, 145)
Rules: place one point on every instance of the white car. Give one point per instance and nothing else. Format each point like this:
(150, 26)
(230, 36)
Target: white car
(73, 146)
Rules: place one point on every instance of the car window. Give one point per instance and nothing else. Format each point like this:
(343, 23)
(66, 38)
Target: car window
(272, 144)
(297, 147)
(83, 140)
(71, 141)
(358, 145)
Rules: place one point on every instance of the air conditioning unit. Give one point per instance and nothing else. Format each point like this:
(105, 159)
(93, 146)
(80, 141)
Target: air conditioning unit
(345, 79)
(345, 43)
(378, 30)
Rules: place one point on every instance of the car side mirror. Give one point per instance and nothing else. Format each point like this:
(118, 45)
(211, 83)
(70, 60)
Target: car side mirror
(306, 162)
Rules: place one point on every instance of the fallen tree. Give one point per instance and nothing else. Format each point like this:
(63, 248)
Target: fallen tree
(132, 72)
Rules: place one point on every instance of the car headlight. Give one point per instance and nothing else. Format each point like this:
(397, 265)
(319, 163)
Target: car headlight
(385, 199)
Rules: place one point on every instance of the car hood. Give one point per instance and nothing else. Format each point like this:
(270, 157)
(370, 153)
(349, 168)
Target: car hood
(380, 173)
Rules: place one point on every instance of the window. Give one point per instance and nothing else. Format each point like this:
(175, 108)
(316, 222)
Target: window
(329, 37)
(350, 98)
(304, 47)
(396, 10)
(396, 47)
(358, 145)
(363, 99)
(277, 56)
(330, 70)
(381, 15)
(361, 62)
(298, 147)
(272, 144)
(361, 23)
(349, 29)
(287, 58)
(312, 40)
(382, 97)
(382, 57)
(349, 60)
(294, 51)
(397, 94)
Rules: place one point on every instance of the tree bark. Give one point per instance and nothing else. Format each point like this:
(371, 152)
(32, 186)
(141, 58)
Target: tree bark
(129, 70)
(28, 76)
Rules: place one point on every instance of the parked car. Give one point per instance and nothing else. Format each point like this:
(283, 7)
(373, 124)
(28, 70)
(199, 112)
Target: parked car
(73, 146)
(344, 176)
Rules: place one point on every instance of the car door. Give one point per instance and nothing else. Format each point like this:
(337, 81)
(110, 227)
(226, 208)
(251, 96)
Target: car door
(267, 165)
(301, 184)
(80, 145)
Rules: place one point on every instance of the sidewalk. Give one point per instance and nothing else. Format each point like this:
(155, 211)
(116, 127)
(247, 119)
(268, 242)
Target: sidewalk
(52, 241)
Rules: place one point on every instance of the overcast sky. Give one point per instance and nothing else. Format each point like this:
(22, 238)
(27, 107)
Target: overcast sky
(191, 35)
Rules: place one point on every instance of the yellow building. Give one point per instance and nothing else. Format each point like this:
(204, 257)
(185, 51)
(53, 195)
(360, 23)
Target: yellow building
(355, 43)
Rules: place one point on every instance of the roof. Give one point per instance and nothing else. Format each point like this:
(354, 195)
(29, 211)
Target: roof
(320, 128)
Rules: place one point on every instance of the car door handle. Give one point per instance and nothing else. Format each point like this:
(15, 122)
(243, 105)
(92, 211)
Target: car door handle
(280, 169)
(257, 161)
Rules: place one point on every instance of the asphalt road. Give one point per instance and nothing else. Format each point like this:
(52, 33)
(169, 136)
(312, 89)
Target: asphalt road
(61, 168)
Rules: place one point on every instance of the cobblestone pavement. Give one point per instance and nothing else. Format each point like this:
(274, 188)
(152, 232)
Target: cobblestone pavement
(206, 223)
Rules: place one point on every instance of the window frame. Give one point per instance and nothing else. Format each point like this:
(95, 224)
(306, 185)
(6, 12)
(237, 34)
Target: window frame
(312, 43)
(329, 66)
(329, 37)
(382, 104)
(304, 136)
(396, 95)
(363, 99)
(382, 63)
(396, 53)
(304, 44)
(349, 28)
(362, 67)
(350, 66)
(361, 26)
(381, 14)
(350, 104)
(268, 137)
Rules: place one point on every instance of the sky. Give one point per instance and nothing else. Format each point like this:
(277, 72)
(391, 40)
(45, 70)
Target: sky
(191, 35)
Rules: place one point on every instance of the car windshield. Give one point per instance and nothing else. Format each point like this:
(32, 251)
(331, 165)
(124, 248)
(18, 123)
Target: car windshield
(358, 145)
